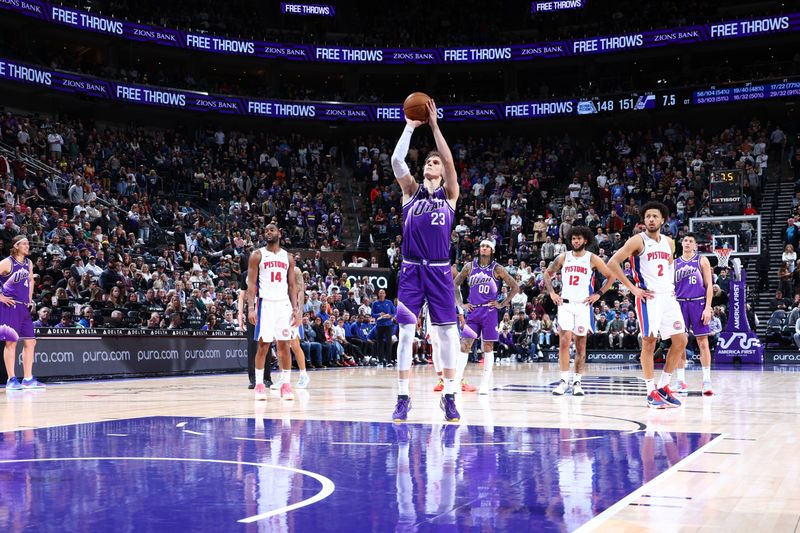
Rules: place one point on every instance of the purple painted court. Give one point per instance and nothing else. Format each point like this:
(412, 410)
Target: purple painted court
(231, 474)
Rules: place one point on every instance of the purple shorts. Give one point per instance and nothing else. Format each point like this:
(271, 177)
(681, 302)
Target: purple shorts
(433, 283)
(483, 321)
(692, 311)
(18, 318)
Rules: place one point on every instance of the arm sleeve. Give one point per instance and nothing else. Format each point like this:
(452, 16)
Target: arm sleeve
(400, 151)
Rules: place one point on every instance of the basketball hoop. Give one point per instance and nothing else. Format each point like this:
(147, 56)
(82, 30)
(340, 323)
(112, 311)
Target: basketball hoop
(723, 255)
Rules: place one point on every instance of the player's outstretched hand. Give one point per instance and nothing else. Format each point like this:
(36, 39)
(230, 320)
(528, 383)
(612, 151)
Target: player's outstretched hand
(706, 316)
(252, 316)
(414, 123)
(592, 299)
(641, 293)
(295, 319)
(556, 298)
(432, 114)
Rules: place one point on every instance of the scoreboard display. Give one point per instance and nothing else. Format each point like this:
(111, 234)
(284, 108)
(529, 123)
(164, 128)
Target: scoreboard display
(726, 192)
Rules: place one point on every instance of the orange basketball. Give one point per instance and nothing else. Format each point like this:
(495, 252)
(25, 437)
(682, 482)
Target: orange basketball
(415, 106)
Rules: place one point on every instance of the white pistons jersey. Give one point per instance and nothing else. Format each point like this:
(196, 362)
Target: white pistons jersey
(273, 273)
(576, 277)
(653, 269)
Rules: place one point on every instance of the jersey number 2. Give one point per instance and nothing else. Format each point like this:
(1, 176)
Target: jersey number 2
(660, 270)
(275, 276)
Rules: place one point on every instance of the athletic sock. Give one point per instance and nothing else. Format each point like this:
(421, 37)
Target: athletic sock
(681, 373)
(463, 359)
(402, 387)
(259, 375)
(576, 378)
(565, 376)
(286, 376)
(706, 373)
(650, 384)
(664, 380)
(303, 372)
(488, 365)
(450, 386)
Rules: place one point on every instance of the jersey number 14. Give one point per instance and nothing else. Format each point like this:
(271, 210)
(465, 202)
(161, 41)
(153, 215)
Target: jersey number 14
(275, 276)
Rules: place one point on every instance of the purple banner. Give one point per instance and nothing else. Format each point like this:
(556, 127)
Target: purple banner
(556, 5)
(738, 341)
(69, 82)
(85, 20)
(290, 8)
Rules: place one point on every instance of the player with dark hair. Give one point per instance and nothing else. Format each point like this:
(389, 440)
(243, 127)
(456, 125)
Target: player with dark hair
(693, 290)
(482, 274)
(575, 313)
(16, 280)
(651, 256)
(428, 212)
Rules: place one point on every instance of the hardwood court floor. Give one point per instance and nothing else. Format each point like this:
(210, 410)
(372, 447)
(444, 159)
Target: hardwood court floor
(743, 480)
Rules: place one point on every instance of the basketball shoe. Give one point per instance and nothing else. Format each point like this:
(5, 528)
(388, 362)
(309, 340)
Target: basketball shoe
(13, 384)
(448, 405)
(682, 388)
(466, 387)
(260, 391)
(401, 409)
(286, 392)
(561, 388)
(655, 401)
(303, 382)
(439, 387)
(33, 383)
(668, 397)
(576, 389)
(707, 391)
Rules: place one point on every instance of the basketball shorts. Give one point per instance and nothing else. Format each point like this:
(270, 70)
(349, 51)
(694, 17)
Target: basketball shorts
(692, 311)
(483, 321)
(274, 322)
(432, 282)
(18, 319)
(576, 317)
(660, 315)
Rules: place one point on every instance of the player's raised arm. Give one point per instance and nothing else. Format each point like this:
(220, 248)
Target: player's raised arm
(457, 281)
(607, 273)
(549, 274)
(450, 181)
(403, 175)
(252, 281)
(632, 247)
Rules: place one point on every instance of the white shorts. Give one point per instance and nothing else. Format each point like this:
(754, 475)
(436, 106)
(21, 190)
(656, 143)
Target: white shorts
(274, 321)
(577, 318)
(660, 315)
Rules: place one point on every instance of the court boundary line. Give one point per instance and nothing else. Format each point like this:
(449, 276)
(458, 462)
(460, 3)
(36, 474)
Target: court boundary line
(612, 511)
(327, 485)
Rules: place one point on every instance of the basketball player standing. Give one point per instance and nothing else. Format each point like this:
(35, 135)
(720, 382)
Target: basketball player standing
(428, 212)
(274, 313)
(651, 255)
(482, 274)
(16, 279)
(693, 289)
(575, 313)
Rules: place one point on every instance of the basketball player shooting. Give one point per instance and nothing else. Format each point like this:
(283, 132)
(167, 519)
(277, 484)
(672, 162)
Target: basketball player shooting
(428, 212)
(693, 289)
(575, 313)
(275, 312)
(651, 255)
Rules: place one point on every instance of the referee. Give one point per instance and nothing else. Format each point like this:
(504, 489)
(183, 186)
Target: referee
(245, 325)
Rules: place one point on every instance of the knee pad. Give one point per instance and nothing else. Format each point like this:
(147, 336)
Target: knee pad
(448, 343)
(405, 344)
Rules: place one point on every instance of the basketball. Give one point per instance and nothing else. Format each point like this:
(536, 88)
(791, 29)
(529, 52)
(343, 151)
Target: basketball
(415, 106)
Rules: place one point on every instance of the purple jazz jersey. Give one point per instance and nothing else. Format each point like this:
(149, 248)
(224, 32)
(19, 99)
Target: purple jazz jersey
(689, 278)
(434, 283)
(692, 311)
(427, 222)
(482, 290)
(16, 285)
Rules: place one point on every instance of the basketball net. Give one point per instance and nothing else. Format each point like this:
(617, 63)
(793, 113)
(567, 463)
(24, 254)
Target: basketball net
(723, 254)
